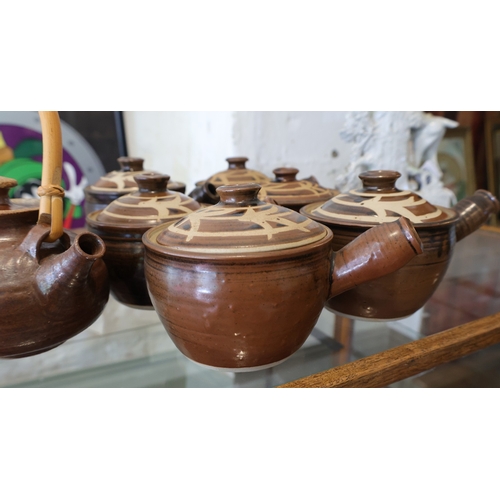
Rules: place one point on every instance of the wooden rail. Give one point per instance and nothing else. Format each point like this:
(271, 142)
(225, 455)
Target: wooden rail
(399, 363)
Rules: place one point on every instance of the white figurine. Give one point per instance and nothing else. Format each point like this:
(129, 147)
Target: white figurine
(396, 140)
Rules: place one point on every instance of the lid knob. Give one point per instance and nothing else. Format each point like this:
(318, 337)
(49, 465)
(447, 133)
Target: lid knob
(237, 162)
(380, 180)
(239, 194)
(151, 182)
(130, 164)
(285, 174)
(6, 183)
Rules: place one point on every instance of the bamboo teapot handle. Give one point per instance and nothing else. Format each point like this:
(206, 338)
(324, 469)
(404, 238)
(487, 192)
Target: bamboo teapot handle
(51, 193)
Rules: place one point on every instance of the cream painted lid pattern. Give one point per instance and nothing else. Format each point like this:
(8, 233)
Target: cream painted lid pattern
(237, 173)
(120, 180)
(287, 190)
(239, 224)
(379, 201)
(149, 205)
(123, 181)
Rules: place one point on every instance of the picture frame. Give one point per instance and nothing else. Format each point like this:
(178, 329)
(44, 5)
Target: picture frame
(92, 142)
(492, 144)
(103, 130)
(456, 160)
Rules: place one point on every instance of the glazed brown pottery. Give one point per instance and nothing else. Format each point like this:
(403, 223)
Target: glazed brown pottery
(236, 173)
(286, 190)
(49, 291)
(123, 222)
(204, 192)
(240, 285)
(405, 291)
(118, 183)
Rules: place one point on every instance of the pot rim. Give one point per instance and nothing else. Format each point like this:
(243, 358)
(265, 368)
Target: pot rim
(150, 236)
(16, 211)
(453, 218)
(296, 200)
(109, 191)
(120, 229)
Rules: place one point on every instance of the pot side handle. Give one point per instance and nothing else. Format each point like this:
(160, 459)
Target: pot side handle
(379, 251)
(474, 211)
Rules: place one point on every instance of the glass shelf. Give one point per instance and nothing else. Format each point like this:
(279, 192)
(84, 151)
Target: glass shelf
(130, 348)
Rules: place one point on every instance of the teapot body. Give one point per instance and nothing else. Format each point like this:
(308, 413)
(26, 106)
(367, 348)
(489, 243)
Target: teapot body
(399, 294)
(49, 292)
(403, 292)
(53, 283)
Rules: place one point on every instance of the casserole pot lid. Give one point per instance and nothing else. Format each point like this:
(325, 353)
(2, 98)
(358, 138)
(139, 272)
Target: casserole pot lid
(122, 180)
(239, 224)
(287, 190)
(377, 202)
(237, 173)
(149, 205)
(9, 205)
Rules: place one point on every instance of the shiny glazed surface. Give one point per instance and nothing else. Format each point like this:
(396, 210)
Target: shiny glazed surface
(122, 224)
(237, 173)
(231, 307)
(288, 191)
(401, 293)
(406, 290)
(49, 292)
(117, 183)
(244, 315)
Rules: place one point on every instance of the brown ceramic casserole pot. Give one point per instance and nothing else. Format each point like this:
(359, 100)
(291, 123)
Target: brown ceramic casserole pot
(240, 285)
(403, 292)
(118, 183)
(123, 222)
(236, 173)
(286, 190)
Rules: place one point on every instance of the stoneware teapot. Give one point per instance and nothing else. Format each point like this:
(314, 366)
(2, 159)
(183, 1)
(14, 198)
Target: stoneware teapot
(123, 222)
(118, 183)
(236, 173)
(288, 191)
(53, 283)
(403, 292)
(240, 285)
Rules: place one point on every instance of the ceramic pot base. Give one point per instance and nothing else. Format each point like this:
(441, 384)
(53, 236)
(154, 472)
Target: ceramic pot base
(247, 369)
(366, 319)
(134, 306)
(36, 352)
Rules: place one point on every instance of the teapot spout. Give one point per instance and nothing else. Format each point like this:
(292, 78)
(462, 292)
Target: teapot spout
(73, 287)
(474, 211)
(205, 192)
(377, 252)
(72, 268)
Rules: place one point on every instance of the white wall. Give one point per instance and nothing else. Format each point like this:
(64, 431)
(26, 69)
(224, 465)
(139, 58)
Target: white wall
(302, 139)
(191, 146)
